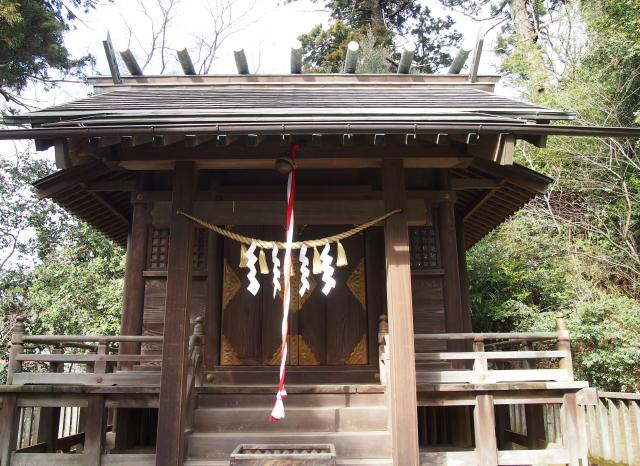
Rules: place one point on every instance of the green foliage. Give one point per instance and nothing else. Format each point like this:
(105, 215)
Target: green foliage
(31, 41)
(62, 275)
(387, 21)
(526, 272)
(605, 334)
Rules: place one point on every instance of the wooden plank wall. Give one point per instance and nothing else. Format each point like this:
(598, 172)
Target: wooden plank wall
(155, 284)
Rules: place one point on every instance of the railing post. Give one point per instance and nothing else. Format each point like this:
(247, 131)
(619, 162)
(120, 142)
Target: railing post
(383, 356)
(198, 334)
(100, 366)
(9, 418)
(17, 347)
(480, 362)
(564, 344)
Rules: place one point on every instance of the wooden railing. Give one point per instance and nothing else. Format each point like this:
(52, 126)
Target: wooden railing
(511, 357)
(93, 361)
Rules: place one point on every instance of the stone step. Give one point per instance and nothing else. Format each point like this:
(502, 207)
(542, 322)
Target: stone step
(266, 400)
(315, 419)
(358, 445)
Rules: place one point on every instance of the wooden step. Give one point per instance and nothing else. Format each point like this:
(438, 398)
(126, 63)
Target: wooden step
(356, 445)
(266, 400)
(310, 418)
(270, 376)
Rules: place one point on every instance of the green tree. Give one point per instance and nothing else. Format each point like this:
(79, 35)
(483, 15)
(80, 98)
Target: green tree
(576, 249)
(31, 42)
(390, 22)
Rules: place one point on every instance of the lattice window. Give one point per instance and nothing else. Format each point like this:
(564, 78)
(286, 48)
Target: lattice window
(423, 248)
(200, 250)
(159, 249)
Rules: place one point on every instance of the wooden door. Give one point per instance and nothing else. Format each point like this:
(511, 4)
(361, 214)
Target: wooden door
(323, 330)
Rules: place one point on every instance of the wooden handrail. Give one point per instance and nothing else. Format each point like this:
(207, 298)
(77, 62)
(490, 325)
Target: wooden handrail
(519, 367)
(528, 336)
(60, 339)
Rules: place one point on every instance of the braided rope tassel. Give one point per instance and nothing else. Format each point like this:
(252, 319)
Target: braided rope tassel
(278, 409)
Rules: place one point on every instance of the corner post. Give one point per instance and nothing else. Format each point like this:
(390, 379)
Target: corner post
(454, 319)
(134, 278)
(173, 379)
(17, 347)
(402, 377)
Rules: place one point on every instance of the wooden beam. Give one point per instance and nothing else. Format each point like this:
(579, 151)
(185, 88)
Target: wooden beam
(404, 66)
(254, 140)
(404, 421)
(440, 139)
(102, 142)
(241, 61)
(351, 58)
(161, 140)
(330, 212)
(224, 140)
(171, 419)
(459, 61)
(61, 148)
(186, 63)
(305, 163)
(134, 141)
(194, 140)
(111, 59)
(506, 148)
(459, 184)
(131, 62)
(133, 309)
(95, 429)
(296, 58)
(316, 140)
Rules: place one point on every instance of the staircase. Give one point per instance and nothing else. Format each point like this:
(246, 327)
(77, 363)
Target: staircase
(352, 417)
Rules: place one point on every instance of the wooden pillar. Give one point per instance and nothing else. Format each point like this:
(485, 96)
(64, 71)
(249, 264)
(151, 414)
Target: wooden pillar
(464, 277)
(95, 428)
(134, 279)
(404, 420)
(485, 431)
(449, 253)
(171, 419)
(8, 427)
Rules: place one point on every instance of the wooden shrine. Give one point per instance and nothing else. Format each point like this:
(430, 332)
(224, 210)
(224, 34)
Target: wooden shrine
(386, 368)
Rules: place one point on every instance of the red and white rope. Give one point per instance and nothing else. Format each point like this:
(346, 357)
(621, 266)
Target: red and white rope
(278, 410)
